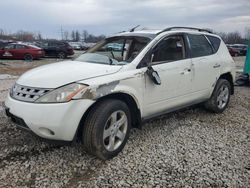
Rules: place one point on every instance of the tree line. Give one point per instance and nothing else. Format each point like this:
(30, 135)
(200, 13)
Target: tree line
(84, 36)
(77, 36)
(74, 36)
(235, 37)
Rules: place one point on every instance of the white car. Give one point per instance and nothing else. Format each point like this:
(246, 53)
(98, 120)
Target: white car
(102, 94)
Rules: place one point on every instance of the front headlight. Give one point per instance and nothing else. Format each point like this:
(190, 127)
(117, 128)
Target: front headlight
(62, 94)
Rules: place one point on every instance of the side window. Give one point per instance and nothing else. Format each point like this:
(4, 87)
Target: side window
(52, 44)
(215, 41)
(19, 46)
(199, 46)
(9, 46)
(169, 49)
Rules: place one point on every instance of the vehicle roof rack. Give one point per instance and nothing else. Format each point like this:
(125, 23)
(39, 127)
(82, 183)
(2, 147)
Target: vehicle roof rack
(190, 28)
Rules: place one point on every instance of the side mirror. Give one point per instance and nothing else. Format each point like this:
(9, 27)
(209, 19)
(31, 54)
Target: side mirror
(154, 76)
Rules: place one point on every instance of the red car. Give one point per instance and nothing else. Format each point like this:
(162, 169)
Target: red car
(234, 52)
(21, 51)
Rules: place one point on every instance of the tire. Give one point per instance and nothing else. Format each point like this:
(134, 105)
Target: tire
(101, 129)
(28, 57)
(61, 55)
(220, 98)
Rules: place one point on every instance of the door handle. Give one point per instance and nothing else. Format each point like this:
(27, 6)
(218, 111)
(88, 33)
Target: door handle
(216, 66)
(185, 71)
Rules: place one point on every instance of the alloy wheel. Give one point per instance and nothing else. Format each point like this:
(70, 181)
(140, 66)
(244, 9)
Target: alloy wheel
(223, 96)
(115, 130)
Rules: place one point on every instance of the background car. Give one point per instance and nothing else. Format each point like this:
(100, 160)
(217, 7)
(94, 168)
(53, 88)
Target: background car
(58, 49)
(77, 45)
(233, 51)
(4, 43)
(21, 51)
(242, 48)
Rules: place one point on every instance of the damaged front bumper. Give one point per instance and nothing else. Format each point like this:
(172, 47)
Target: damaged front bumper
(55, 121)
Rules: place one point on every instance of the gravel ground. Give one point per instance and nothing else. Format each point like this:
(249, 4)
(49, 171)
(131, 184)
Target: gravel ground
(189, 148)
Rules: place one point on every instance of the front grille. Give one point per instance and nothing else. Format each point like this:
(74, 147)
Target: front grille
(27, 94)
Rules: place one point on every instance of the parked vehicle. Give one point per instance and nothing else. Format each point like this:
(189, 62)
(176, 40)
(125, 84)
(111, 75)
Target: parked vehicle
(59, 49)
(242, 48)
(233, 51)
(4, 43)
(77, 45)
(102, 94)
(21, 51)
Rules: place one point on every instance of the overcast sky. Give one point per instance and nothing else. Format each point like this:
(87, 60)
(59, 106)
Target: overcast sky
(111, 16)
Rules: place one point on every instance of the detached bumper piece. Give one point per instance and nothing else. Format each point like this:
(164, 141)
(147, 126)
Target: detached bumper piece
(19, 122)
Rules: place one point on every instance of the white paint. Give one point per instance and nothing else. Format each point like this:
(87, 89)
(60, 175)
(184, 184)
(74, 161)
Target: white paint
(178, 88)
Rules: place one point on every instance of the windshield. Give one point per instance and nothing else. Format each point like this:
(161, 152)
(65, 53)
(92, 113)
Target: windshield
(115, 51)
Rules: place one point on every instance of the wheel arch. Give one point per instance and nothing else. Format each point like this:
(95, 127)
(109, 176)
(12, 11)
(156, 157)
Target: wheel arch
(228, 76)
(125, 97)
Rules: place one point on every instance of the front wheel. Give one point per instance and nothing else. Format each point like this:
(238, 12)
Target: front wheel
(220, 97)
(107, 128)
(61, 55)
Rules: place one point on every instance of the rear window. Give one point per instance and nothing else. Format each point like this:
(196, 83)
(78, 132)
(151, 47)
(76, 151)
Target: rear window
(215, 41)
(199, 46)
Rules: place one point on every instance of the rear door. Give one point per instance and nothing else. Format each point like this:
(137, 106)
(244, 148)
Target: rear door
(205, 65)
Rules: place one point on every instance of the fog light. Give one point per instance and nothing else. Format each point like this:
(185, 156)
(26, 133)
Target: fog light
(46, 132)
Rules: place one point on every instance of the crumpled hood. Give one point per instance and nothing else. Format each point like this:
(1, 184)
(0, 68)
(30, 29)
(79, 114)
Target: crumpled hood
(62, 73)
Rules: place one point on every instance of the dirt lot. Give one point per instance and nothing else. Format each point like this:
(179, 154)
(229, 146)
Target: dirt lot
(190, 148)
(17, 67)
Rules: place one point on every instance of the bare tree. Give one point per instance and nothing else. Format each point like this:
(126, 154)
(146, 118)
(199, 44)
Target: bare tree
(73, 35)
(1, 32)
(66, 35)
(85, 35)
(234, 38)
(24, 35)
(77, 36)
(39, 36)
(247, 33)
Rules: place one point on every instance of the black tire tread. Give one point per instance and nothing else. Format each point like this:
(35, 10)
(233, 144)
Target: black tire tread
(90, 128)
(211, 105)
(28, 55)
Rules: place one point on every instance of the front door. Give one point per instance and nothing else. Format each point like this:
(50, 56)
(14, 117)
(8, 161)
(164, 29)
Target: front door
(174, 68)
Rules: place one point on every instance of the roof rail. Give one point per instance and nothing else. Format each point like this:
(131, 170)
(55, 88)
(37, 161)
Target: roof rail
(190, 28)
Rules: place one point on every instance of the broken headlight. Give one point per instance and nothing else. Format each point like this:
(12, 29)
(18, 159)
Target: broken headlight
(63, 94)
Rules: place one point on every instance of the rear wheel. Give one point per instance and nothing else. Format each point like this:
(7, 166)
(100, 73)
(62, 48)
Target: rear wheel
(28, 57)
(107, 128)
(61, 55)
(220, 97)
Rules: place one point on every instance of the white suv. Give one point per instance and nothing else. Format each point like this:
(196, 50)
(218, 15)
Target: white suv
(121, 82)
